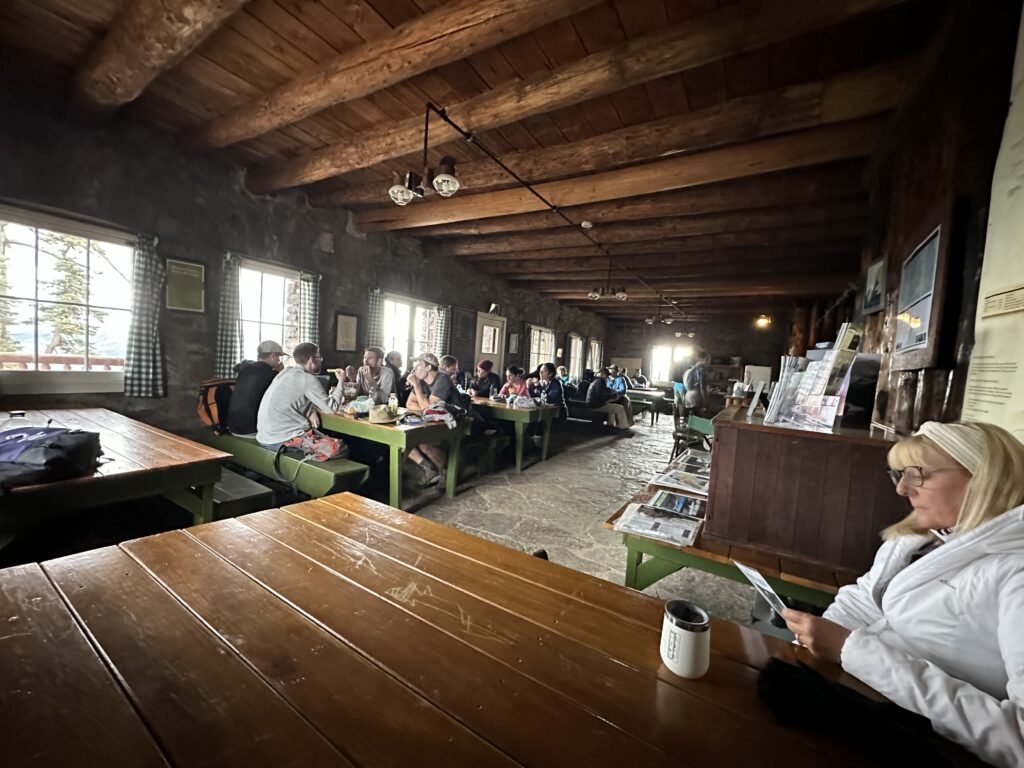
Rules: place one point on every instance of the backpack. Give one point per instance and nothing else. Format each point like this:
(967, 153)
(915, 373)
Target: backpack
(31, 455)
(214, 402)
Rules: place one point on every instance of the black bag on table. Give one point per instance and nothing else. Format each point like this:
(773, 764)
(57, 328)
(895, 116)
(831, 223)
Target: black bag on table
(30, 455)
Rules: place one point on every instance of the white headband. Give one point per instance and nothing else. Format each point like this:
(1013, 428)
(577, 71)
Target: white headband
(965, 443)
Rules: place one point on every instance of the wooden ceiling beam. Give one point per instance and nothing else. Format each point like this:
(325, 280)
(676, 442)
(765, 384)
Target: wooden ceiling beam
(830, 143)
(709, 37)
(853, 210)
(831, 182)
(840, 250)
(804, 286)
(448, 33)
(620, 274)
(846, 97)
(148, 38)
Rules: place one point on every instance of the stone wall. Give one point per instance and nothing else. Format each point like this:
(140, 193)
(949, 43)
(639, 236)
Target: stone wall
(137, 179)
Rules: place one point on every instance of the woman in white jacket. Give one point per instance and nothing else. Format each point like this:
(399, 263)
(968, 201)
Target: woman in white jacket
(937, 624)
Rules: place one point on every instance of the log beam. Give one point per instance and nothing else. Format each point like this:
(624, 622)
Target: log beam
(720, 269)
(679, 226)
(450, 32)
(795, 150)
(712, 36)
(803, 286)
(145, 40)
(846, 97)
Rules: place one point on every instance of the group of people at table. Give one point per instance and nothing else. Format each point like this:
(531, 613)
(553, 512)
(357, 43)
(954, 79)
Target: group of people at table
(277, 404)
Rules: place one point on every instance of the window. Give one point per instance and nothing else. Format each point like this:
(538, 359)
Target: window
(269, 306)
(667, 359)
(410, 326)
(575, 356)
(65, 304)
(542, 347)
(594, 354)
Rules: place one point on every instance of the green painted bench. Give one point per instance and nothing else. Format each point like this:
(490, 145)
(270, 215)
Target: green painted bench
(486, 449)
(315, 478)
(235, 495)
(578, 410)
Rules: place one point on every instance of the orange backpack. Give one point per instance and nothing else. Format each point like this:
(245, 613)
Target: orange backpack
(214, 400)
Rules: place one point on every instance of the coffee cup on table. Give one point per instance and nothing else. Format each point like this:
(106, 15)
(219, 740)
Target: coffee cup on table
(686, 639)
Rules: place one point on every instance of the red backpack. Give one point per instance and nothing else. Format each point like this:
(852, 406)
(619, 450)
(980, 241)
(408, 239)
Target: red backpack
(214, 401)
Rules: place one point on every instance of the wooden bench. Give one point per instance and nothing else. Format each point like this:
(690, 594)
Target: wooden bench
(486, 448)
(235, 495)
(578, 410)
(316, 478)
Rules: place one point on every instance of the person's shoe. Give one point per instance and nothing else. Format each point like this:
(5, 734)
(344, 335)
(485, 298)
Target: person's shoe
(627, 432)
(541, 553)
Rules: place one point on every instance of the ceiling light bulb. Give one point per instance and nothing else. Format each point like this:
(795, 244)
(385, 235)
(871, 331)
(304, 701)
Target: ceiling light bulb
(587, 224)
(621, 294)
(763, 321)
(444, 182)
(400, 194)
(649, 321)
(668, 321)
(594, 295)
(690, 335)
(678, 334)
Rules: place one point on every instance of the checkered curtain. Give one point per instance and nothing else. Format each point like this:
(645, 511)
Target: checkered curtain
(524, 348)
(143, 363)
(229, 325)
(309, 307)
(374, 319)
(443, 344)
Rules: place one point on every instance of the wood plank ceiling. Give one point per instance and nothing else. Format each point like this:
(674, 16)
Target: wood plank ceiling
(716, 146)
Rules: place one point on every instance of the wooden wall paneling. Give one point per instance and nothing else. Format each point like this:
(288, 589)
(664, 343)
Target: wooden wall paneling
(866, 470)
(722, 486)
(809, 501)
(835, 503)
(766, 503)
(782, 519)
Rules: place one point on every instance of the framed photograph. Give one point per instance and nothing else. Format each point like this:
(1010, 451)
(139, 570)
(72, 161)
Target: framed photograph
(922, 290)
(874, 288)
(345, 330)
(185, 287)
(490, 341)
(513, 343)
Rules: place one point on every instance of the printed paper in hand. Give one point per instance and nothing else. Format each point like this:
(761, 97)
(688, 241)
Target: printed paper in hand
(763, 587)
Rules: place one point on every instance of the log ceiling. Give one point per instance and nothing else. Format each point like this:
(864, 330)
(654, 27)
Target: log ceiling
(716, 146)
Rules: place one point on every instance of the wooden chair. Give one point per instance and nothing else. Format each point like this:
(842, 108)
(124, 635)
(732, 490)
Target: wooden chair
(689, 430)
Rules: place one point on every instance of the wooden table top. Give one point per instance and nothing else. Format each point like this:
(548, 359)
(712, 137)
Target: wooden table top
(344, 632)
(501, 405)
(130, 447)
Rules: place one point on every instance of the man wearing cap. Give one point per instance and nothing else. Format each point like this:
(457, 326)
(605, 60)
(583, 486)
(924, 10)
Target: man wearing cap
(375, 379)
(251, 381)
(431, 385)
(486, 382)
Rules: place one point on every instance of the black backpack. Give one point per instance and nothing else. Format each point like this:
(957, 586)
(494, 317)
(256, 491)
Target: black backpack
(31, 455)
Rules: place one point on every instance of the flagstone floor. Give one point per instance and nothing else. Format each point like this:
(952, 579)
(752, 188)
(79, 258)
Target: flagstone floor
(560, 504)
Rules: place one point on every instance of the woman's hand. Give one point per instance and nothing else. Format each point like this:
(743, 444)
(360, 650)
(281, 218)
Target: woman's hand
(823, 638)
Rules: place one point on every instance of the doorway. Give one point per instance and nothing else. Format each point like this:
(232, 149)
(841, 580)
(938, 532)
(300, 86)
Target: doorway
(490, 340)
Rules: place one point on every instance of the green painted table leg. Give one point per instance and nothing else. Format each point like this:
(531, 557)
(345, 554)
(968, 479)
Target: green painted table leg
(547, 436)
(634, 558)
(395, 477)
(205, 512)
(520, 428)
(454, 456)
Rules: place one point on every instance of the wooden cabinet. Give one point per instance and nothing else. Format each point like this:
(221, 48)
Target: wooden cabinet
(820, 497)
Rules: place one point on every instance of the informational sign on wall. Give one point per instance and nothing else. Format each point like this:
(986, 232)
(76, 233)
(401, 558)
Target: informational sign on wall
(995, 382)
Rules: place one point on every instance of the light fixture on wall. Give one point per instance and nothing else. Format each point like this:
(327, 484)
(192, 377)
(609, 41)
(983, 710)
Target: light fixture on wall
(402, 191)
(762, 321)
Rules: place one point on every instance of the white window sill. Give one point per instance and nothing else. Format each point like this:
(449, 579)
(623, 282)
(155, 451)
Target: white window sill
(60, 382)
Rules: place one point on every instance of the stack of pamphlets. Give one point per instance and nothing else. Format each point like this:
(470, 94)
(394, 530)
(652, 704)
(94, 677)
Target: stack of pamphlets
(689, 474)
(658, 524)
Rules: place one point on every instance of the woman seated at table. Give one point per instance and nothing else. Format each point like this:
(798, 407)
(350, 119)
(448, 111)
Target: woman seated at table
(563, 375)
(937, 624)
(548, 387)
(515, 382)
(487, 382)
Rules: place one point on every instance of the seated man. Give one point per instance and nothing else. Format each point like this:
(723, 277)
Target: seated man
(487, 382)
(640, 380)
(292, 399)
(374, 378)
(618, 380)
(601, 398)
(450, 365)
(393, 360)
(431, 385)
(251, 381)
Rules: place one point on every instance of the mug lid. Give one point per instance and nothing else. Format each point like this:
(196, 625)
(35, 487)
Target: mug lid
(687, 615)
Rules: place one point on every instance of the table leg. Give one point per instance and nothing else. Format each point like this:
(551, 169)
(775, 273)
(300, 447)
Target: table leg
(547, 436)
(204, 513)
(395, 477)
(454, 456)
(634, 558)
(520, 427)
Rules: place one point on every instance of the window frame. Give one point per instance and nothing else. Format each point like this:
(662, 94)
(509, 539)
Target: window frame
(577, 360)
(594, 349)
(541, 356)
(414, 305)
(674, 358)
(65, 382)
(267, 268)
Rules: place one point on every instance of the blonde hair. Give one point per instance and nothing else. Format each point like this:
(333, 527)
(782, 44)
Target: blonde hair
(996, 486)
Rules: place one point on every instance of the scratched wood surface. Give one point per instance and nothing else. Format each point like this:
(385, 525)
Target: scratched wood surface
(343, 632)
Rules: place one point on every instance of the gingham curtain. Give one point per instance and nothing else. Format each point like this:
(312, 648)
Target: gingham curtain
(374, 319)
(309, 307)
(524, 348)
(229, 325)
(143, 363)
(443, 344)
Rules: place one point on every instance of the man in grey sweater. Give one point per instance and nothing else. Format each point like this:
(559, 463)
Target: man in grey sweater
(292, 397)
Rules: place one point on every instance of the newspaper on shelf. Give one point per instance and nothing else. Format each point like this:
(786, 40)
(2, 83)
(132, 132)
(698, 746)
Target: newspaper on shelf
(683, 481)
(658, 524)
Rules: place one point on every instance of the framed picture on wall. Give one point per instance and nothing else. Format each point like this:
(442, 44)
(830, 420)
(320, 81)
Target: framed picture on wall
(874, 288)
(490, 340)
(345, 329)
(185, 287)
(922, 291)
(513, 343)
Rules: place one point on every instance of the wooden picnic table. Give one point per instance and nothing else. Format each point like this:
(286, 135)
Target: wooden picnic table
(342, 632)
(653, 397)
(139, 460)
(648, 560)
(401, 438)
(520, 417)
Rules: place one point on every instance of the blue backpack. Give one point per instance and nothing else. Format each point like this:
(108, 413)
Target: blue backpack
(30, 455)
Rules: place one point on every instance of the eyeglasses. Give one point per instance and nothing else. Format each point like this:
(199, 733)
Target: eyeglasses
(916, 475)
